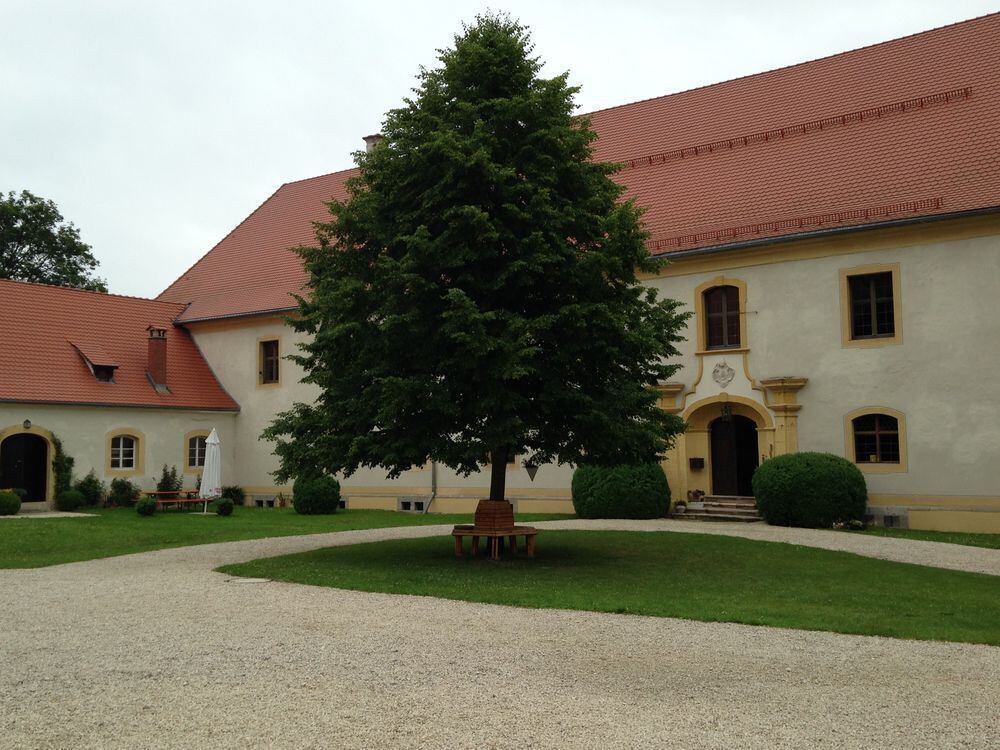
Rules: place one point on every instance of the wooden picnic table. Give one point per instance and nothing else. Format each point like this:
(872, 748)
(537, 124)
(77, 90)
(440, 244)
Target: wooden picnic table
(177, 497)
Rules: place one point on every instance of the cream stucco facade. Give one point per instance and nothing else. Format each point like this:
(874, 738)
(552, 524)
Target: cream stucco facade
(232, 350)
(800, 381)
(797, 379)
(796, 376)
(85, 432)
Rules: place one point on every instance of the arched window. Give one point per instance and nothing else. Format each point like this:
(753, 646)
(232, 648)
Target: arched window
(722, 317)
(876, 439)
(123, 451)
(196, 452)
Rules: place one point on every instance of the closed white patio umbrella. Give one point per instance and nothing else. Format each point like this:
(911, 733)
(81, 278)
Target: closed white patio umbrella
(211, 475)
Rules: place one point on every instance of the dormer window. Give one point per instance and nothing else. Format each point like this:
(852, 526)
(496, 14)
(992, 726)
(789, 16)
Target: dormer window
(100, 364)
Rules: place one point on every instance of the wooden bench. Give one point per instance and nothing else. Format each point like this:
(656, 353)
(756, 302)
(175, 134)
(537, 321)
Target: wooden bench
(495, 537)
(177, 497)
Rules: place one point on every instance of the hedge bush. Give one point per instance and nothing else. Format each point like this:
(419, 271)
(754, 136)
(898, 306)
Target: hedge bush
(224, 507)
(62, 467)
(620, 491)
(235, 493)
(70, 500)
(813, 490)
(92, 489)
(10, 503)
(316, 495)
(123, 493)
(170, 481)
(146, 506)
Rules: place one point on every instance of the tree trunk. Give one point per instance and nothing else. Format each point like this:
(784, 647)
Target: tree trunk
(498, 473)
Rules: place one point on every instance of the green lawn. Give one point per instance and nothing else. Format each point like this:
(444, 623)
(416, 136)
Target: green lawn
(36, 542)
(990, 541)
(696, 576)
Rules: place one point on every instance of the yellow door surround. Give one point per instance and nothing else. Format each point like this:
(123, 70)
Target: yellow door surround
(50, 476)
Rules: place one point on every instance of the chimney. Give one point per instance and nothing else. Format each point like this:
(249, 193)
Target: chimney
(371, 141)
(156, 367)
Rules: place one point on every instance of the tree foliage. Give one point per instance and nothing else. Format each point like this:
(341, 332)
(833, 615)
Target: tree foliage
(35, 245)
(477, 292)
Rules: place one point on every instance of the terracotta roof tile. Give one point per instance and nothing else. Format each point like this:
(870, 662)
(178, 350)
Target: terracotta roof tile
(905, 128)
(44, 330)
(252, 270)
(95, 354)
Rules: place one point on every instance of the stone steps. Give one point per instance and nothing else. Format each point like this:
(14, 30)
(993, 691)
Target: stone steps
(721, 508)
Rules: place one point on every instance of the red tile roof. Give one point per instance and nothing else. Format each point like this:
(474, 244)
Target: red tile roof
(903, 129)
(252, 270)
(44, 330)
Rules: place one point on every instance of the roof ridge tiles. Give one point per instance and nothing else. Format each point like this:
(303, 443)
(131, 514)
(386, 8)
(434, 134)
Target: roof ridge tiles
(78, 290)
(789, 66)
(320, 176)
(800, 222)
(916, 103)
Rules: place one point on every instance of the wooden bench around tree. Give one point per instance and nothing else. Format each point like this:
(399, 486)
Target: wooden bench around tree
(495, 537)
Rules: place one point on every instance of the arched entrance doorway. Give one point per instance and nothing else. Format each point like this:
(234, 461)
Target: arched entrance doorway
(24, 463)
(734, 454)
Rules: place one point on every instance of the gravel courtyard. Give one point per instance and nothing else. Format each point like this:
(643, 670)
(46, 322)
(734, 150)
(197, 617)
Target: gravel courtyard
(156, 650)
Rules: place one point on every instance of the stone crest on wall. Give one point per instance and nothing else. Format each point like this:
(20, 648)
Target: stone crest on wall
(723, 374)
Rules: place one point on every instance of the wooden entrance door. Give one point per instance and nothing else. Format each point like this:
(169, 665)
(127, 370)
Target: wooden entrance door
(24, 463)
(734, 455)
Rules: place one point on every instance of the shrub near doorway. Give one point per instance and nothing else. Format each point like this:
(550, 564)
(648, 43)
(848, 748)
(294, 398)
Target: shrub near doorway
(812, 490)
(10, 503)
(620, 491)
(69, 500)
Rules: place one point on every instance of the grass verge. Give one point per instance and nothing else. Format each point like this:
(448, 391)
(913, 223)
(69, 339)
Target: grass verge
(990, 541)
(695, 576)
(37, 542)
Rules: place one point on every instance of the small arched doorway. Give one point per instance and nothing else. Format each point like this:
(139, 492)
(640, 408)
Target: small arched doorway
(24, 463)
(734, 454)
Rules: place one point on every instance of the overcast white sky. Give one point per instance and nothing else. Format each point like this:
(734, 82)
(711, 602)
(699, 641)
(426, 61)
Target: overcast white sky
(157, 127)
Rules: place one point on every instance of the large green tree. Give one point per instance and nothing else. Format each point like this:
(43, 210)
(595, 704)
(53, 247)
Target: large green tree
(476, 295)
(36, 245)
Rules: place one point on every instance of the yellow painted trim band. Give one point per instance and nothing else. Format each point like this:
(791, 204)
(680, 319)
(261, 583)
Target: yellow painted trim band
(886, 238)
(984, 502)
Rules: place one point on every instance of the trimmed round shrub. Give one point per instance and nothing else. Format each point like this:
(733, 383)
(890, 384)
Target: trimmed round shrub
(224, 507)
(620, 491)
(10, 503)
(146, 506)
(235, 493)
(812, 490)
(70, 500)
(92, 489)
(316, 495)
(21, 493)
